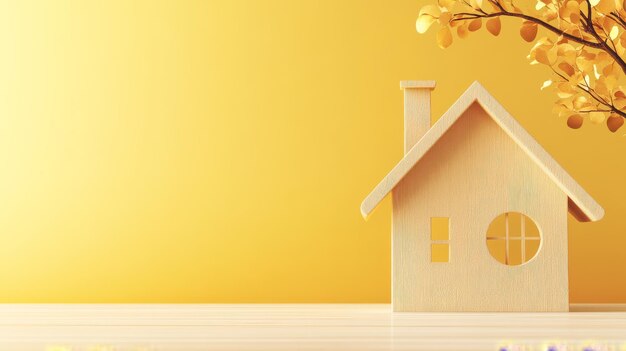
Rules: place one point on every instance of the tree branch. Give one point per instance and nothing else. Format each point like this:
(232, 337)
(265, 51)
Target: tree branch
(603, 43)
(615, 17)
(601, 101)
(587, 26)
(588, 90)
(546, 25)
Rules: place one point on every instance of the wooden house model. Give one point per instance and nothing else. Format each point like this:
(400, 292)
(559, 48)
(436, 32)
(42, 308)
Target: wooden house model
(479, 210)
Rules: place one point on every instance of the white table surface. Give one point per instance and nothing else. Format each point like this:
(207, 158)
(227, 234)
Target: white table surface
(146, 327)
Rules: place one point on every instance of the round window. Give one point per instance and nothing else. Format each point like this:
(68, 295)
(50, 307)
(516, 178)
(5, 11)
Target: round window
(513, 239)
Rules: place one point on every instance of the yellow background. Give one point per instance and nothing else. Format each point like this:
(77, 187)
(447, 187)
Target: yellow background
(218, 151)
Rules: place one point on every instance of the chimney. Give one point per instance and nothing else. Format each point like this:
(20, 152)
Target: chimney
(416, 110)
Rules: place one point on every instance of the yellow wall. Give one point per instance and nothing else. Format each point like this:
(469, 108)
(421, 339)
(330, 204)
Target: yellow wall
(218, 151)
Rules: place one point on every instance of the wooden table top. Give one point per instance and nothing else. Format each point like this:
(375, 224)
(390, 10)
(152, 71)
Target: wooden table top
(113, 327)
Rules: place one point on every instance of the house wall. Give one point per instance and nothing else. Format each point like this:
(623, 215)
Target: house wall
(474, 173)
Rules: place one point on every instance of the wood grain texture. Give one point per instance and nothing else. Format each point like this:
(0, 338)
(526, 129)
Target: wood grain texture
(425, 84)
(291, 327)
(416, 115)
(416, 110)
(582, 205)
(473, 174)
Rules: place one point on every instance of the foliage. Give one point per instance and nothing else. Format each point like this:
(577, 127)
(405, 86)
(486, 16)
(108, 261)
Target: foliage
(585, 48)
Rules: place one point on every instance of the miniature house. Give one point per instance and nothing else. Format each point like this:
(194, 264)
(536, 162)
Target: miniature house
(479, 210)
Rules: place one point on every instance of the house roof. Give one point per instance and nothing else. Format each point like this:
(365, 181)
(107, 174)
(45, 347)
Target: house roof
(580, 204)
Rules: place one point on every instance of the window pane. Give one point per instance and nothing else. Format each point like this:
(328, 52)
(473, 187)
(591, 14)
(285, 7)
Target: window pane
(515, 252)
(531, 229)
(440, 253)
(439, 228)
(515, 224)
(532, 246)
(497, 249)
(496, 228)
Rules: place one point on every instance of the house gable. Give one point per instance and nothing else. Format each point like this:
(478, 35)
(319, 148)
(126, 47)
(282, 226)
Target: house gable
(580, 204)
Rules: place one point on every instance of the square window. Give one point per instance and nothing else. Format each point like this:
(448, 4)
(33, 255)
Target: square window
(440, 253)
(439, 228)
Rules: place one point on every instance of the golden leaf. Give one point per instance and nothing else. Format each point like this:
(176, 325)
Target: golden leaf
(567, 103)
(614, 122)
(574, 30)
(445, 18)
(546, 84)
(620, 103)
(509, 7)
(594, 2)
(542, 41)
(528, 31)
(565, 49)
(430, 10)
(553, 54)
(610, 81)
(603, 58)
(569, 58)
(549, 13)
(601, 89)
(489, 7)
(570, 11)
(475, 25)
(560, 109)
(476, 3)
(583, 64)
(546, 55)
(444, 37)
(620, 98)
(567, 68)
(596, 117)
(541, 55)
(539, 5)
(423, 23)
(493, 25)
(579, 102)
(565, 90)
(576, 78)
(447, 4)
(587, 54)
(462, 31)
(575, 121)
(614, 33)
(427, 16)
(606, 6)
